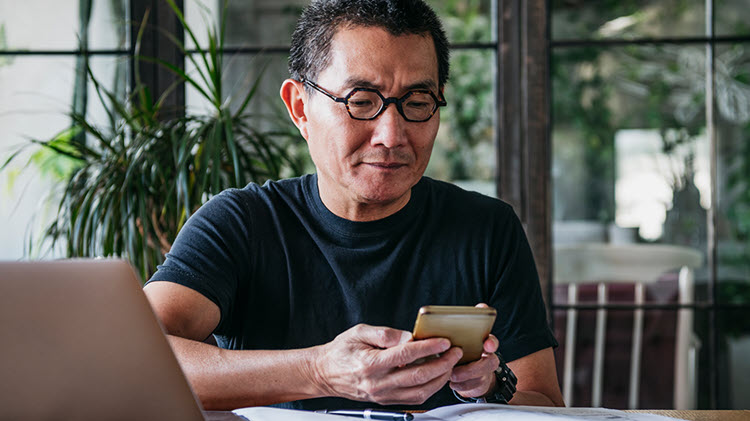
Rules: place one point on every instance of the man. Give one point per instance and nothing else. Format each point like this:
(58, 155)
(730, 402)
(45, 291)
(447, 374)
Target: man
(311, 285)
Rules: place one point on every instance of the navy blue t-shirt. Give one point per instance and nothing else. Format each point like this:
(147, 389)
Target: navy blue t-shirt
(287, 273)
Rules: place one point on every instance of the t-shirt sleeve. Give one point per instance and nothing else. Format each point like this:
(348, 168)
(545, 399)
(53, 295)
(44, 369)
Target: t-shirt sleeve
(522, 326)
(210, 252)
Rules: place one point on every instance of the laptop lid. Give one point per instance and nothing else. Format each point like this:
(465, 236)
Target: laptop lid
(80, 342)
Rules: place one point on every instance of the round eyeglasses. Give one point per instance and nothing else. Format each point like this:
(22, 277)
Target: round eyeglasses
(417, 105)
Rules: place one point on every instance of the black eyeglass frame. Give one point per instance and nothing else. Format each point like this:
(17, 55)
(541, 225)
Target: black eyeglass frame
(439, 102)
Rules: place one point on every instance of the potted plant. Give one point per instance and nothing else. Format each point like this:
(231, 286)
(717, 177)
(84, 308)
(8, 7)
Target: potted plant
(133, 183)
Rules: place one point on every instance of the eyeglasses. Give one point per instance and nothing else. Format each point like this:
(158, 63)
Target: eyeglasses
(417, 105)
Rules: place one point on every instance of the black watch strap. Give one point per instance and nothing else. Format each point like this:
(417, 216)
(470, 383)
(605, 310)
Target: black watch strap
(505, 386)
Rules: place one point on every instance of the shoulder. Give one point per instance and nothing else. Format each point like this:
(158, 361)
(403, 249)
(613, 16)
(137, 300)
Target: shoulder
(254, 196)
(458, 202)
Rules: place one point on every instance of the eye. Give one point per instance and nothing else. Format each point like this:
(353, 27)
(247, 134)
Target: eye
(360, 103)
(364, 100)
(419, 104)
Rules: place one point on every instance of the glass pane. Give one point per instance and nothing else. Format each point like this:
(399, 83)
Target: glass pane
(627, 19)
(732, 17)
(248, 23)
(38, 93)
(60, 25)
(733, 166)
(659, 350)
(465, 20)
(241, 72)
(464, 149)
(271, 23)
(630, 158)
(734, 348)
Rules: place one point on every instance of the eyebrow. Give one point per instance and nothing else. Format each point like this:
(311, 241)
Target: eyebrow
(355, 82)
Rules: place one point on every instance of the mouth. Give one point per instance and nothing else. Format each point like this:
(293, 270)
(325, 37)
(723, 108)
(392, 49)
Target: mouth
(386, 165)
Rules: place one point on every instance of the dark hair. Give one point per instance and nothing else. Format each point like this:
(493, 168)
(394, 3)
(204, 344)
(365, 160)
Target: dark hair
(311, 40)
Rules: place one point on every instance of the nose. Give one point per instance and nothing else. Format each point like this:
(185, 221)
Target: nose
(390, 128)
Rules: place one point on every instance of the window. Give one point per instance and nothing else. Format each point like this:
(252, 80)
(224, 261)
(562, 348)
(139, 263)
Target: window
(650, 127)
(42, 56)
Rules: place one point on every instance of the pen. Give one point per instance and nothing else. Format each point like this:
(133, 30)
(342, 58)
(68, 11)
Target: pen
(370, 414)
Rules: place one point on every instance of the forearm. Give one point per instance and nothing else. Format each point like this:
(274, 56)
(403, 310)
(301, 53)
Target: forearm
(525, 397)
(227, 379)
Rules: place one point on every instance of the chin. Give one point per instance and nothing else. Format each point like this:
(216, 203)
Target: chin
(384, 195)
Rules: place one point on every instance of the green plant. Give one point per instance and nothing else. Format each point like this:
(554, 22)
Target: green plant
(469, 118)
(581, 94)
(4, 60)
(137, 179)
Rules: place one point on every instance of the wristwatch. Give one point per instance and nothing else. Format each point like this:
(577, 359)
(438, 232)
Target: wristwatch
(505, 386)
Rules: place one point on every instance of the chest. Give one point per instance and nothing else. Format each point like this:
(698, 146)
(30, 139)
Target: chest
(306, 292)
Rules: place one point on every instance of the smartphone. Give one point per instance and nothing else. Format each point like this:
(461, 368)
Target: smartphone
(466, 327)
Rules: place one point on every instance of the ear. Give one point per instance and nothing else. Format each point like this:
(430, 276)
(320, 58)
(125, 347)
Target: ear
(294, 96)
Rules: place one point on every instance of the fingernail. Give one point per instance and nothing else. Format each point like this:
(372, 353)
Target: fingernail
(445, 344)
(405, 337)
(460, 352)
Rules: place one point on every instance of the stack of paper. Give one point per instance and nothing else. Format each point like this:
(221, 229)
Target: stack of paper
(466, 412)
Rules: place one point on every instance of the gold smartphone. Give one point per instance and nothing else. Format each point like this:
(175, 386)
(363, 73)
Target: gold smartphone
(466, 327)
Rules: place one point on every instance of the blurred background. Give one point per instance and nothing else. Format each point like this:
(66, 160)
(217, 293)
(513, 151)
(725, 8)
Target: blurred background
(618, 129)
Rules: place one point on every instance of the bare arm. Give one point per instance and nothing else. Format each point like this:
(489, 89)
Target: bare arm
(537, 377)
(536, 373)
(537, 380)
(364, 363)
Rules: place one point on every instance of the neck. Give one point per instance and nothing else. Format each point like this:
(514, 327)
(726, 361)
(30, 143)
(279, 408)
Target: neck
(359, 210)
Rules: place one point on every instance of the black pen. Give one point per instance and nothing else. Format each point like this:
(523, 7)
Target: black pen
(371, 414)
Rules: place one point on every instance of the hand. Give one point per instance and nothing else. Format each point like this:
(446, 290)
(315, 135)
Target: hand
(477, 379)
(368, 363)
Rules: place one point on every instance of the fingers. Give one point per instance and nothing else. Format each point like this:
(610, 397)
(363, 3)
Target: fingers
(407, 353)
(487, 364)
(475, 388)
(415, 395)
(414, 384)
(380, 366)
(491, 344)
(378, 336)
(417, 374)
(369, 363)
(475, 379)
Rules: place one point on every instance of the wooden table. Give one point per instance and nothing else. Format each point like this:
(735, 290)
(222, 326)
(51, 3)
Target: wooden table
(700, 415)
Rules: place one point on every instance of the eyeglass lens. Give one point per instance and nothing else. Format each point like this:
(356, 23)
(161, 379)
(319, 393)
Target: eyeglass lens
(416, 106)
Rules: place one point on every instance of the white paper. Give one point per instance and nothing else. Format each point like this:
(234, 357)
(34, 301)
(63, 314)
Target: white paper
(266, 413)
(494, 412)
(466, 412)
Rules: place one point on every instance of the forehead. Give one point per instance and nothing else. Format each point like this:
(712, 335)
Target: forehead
(384, 60)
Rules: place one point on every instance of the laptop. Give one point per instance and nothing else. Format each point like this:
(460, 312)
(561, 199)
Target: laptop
(79, 341)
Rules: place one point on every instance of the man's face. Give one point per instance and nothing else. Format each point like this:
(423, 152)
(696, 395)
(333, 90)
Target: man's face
(364, 163)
